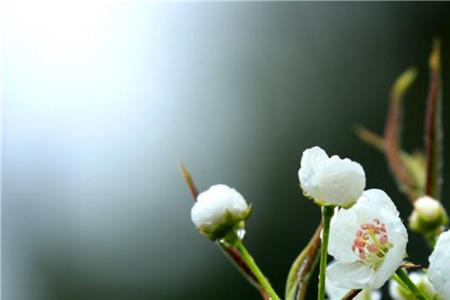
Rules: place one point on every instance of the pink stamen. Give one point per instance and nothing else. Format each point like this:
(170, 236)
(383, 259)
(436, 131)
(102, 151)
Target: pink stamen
(372, 248)
(365, 242)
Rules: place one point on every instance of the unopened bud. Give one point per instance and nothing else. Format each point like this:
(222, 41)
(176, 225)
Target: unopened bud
(219, 210)
(428, 214)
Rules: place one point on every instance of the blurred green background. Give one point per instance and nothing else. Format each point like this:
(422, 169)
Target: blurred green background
(101, 100)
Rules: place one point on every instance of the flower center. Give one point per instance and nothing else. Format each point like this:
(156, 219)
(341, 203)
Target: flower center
(371, 243)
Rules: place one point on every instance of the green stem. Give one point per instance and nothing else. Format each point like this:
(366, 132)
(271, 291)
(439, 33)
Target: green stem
(327, 213)
(255, 270)
(409, 284)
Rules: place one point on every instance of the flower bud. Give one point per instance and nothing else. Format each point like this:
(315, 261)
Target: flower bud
(219, 210)
(428, 214)
(331, 180)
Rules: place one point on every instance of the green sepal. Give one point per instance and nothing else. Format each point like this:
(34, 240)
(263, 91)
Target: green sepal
(230, 223)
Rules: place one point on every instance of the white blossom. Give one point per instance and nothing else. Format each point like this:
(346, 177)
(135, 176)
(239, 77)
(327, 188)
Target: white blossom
(218, 210)
(330, 180)
(439, 269)
(336, 293)
(420, 279)
(368, 242)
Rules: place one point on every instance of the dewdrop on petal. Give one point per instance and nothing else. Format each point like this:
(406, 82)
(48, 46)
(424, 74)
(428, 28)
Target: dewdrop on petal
(428, 214)
(368, 242)
(439, 268)
(330, 180)
(420, 279)
(219, 210)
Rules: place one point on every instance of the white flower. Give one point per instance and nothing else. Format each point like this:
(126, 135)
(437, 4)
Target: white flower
(330, 180)
(428, 214)
(336, 293)
(439, 269)
(420, 279)
(368, 242)
(218, 210)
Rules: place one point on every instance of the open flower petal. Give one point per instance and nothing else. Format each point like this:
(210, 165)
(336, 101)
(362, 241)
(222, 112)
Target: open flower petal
(439, 269)
(336, 293)
(349, 275)
(368, 242)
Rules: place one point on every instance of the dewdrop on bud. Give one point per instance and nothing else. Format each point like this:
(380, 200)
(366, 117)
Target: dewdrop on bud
(219, 210)
(330, 180)
(428, 214)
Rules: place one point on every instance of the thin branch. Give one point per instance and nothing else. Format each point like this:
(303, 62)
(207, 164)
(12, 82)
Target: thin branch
(414, 163)
(392, 132)
(370, 138)
(303, 267)
(188, 179)
(351, 294)
(433, 126)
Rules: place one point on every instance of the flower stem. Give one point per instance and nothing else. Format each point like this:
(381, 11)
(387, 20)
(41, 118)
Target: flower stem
(327, 213)
(255, 270)
(409, 284)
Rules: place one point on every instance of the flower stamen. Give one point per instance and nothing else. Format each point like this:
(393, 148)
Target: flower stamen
(371, 243)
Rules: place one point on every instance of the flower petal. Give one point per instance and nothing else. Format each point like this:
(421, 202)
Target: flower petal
(439, 269)
(330, 181)
(354, 275)
(312, 160)
(391, 263)
(342, 233)
(343, 181)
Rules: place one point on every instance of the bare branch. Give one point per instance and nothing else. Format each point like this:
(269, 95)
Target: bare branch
(433, 126)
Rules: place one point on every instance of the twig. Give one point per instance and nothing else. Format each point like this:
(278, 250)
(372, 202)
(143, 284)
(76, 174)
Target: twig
(351, 294)
(303, 267)
(433, 129)
(392, 134)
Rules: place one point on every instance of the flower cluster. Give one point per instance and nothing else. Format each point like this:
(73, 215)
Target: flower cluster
(365, 236)
(367, 239)
(360, 228)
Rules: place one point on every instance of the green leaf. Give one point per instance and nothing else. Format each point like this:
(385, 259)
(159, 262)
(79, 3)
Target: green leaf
(433, 126)
(302, 268)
